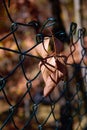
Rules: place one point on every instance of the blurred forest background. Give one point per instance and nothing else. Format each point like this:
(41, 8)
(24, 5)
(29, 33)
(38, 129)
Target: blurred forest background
(24, 11)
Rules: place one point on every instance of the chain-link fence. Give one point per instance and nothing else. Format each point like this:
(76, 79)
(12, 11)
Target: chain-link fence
(64, 104)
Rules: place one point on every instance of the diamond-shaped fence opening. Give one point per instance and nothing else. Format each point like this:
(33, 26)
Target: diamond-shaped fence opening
(47, 90)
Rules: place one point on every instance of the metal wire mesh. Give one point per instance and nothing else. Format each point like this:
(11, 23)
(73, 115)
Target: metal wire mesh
(69, 116)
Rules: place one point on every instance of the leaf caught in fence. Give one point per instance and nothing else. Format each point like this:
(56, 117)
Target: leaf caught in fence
(52, 66)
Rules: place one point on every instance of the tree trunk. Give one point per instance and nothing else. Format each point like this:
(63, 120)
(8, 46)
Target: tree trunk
(56, 11)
